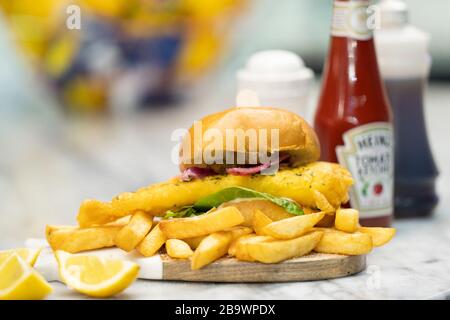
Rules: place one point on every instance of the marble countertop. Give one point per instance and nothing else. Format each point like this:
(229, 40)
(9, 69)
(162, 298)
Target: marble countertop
(53, 164)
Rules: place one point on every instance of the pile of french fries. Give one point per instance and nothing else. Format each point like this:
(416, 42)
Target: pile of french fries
(254, 236)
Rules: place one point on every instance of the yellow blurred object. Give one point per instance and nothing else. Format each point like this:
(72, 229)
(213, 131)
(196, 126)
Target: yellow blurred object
(85, 95)
(29, 255)
(60, 55)
(94, 275)
(109, 8)
(205, 40)
(179, 39)
(200, 51)
(41, 8)
(19, 281)
(210, 10)
(32, 23)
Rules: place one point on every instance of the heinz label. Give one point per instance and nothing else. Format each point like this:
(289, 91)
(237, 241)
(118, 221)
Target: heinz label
(351, 19)
(368, 154)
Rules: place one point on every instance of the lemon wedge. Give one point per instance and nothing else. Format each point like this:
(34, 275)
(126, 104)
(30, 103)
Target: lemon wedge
(30, 255)
(19, 281)
(94, 275)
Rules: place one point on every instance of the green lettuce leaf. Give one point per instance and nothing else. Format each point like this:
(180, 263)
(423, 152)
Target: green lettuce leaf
(183, 212)
(216, 199)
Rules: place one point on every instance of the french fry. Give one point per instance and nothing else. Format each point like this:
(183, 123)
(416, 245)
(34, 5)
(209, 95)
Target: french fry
(380, 236)
(119, 222)
(234, 244)
(347, 220)
(178, 249)
(293, 227)
(73, 239)
(50, 228)
(210, 249)
(279, 250)
(238, 231)
(239, 247)
(216, 245)
(194, 241)
(247, 208)
(130, 235)
(56, 234)
(217, 220)
(322, 202)
(152, 242)
(260, 220)
(339, 242)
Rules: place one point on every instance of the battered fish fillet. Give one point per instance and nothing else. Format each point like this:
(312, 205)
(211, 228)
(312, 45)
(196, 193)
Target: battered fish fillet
(319, 185)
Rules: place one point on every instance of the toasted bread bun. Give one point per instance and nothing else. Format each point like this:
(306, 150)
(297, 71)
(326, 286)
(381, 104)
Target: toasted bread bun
(296, 137)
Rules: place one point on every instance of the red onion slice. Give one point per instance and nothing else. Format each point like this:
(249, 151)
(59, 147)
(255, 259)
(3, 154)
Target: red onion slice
(196, 173)
(246, 171)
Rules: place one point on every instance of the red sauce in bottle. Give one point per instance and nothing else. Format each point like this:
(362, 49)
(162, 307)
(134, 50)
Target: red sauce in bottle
(353, 119)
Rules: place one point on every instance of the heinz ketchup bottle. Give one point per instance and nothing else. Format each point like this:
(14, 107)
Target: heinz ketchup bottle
(353, 119)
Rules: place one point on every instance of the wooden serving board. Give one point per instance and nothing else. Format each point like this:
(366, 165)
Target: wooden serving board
(315, 266)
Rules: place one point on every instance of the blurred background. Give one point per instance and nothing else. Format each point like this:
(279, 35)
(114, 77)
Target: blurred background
(88, 112)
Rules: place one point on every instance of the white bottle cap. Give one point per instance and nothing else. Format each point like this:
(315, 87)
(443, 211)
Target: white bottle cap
(402, 49)
(279, 78)
(394, 13)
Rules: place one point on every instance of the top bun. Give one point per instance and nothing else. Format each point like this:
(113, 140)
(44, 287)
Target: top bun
(296, 137)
